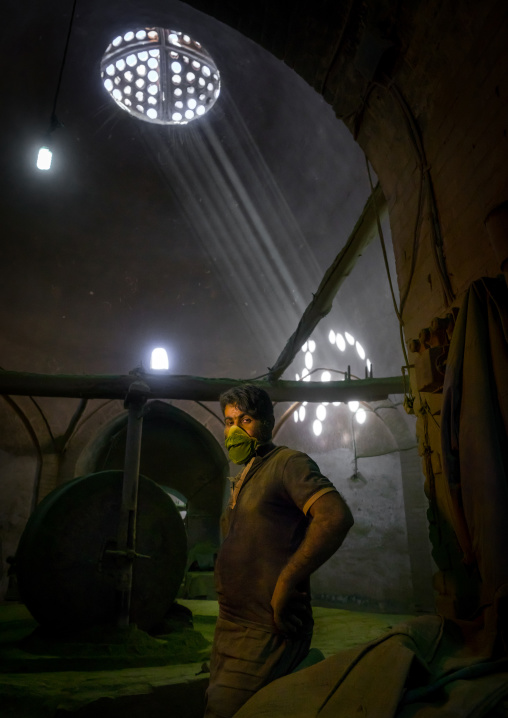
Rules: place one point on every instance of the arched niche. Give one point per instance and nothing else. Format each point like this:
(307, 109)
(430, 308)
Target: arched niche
(178, 453)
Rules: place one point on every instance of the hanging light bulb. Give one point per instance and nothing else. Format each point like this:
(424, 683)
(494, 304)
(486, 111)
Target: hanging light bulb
(44, 158)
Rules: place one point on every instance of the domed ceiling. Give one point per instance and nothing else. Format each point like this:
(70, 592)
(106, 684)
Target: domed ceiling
(208, 238)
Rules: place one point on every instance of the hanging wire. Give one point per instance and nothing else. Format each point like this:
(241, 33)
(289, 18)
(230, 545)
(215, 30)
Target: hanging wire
(408, 394)
(54, 123)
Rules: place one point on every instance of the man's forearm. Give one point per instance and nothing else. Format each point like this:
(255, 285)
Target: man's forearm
(325, 534)
(331, 521)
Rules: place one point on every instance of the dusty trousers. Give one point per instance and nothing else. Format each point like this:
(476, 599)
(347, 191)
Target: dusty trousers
(244, 659)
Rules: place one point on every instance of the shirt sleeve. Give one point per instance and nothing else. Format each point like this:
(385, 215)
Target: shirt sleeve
(304, 482)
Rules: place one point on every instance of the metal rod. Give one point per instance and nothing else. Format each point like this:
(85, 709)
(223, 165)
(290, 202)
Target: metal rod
(126, 541)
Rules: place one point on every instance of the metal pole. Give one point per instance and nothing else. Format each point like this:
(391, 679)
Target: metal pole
(126, 544)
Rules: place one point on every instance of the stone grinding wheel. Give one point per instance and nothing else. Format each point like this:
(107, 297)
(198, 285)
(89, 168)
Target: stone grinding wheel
(64, 577)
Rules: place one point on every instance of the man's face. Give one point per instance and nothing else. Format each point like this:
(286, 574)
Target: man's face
(233, 416)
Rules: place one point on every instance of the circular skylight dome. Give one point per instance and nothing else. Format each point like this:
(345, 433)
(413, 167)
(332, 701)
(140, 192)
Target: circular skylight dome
(160, 76)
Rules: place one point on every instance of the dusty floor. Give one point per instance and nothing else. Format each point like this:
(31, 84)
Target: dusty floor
(147, 692)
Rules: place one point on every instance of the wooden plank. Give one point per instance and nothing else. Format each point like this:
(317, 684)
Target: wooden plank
(164, 386)
(362, 235)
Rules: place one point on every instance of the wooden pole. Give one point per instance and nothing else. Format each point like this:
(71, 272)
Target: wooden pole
(362, 235)
(193, 388)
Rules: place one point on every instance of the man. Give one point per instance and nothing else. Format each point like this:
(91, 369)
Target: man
(283, 521)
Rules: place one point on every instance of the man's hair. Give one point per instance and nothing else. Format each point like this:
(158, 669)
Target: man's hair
(253, 401)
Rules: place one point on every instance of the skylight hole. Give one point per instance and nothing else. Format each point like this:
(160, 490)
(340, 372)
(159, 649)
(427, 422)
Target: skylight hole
(340, 341)
(187, 62)
(159, 359)
(321, 412)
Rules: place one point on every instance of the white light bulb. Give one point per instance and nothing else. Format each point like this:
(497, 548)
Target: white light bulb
(331, 337)
(44, 158)
(326, 376)
(159, 359)
(296, 417)
(360, 350)
(353, 406)
(301, 412)
(309, 361)
(312, 345)
(349, 338)
(361, 415)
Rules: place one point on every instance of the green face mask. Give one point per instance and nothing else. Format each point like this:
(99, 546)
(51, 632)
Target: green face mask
(240, 445)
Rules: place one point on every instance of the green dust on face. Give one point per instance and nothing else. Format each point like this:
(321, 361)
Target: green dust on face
(240, 445)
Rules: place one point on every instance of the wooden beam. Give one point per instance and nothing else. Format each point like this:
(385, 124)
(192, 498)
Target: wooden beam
(194, 388)
(362, 235)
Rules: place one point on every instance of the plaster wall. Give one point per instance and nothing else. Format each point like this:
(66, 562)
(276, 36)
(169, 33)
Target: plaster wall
(430, 113)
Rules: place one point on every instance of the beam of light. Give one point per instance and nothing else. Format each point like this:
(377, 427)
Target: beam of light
(249, 232)
(44, 158)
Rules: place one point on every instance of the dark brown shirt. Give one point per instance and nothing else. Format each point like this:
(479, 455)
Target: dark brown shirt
(266, 527)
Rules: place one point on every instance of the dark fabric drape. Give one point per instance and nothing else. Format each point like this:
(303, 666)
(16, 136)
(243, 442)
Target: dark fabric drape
(474, 431)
